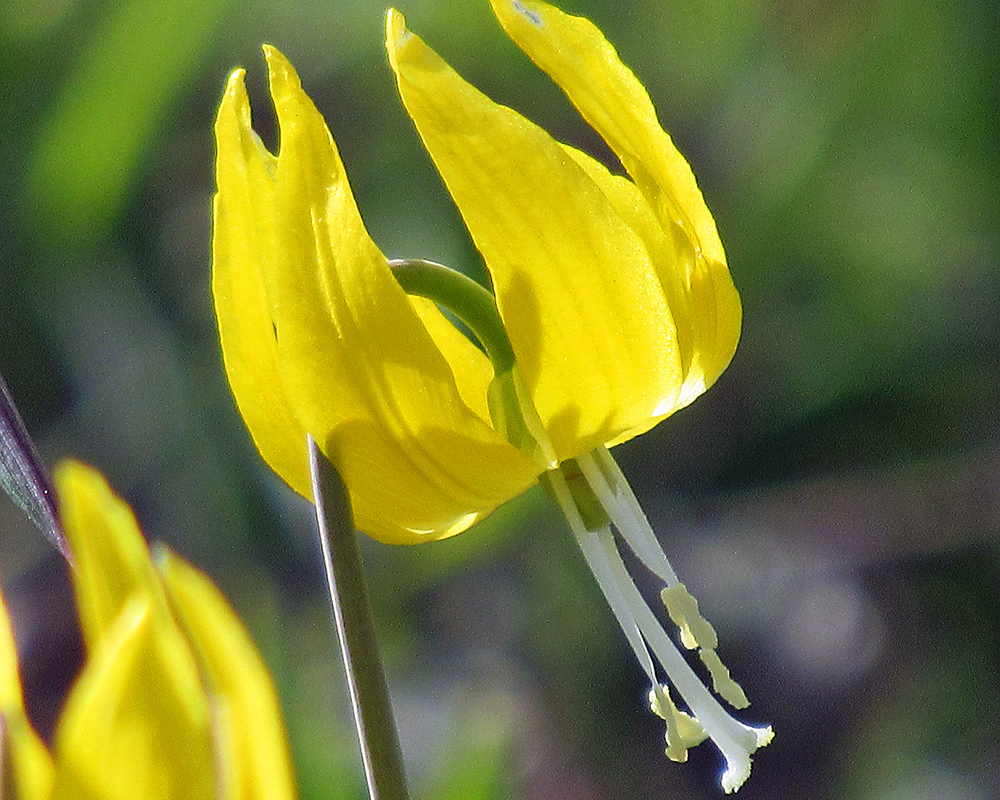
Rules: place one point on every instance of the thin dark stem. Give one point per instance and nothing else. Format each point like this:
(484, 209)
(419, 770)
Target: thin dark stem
(23, 475)
(380, 751)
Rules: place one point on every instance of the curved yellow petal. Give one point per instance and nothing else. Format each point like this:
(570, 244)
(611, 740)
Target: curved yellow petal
(136, 723)
(630, 204)
(580, 60)
(470, 365)
(252, 751)
(111, 561)
(358, 365)
(575, 285)
(26, 767)
(244, 247)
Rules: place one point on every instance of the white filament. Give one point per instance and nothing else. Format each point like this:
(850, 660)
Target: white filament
(644, 632)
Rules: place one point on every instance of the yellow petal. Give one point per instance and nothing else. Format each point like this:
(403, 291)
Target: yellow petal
(575, 285)
(26, 767)
(472, 369)
(580, 60)
(635, 211)
(110, 558)
(361, 371)
(252, 751)
(244, 247)
(136, 723)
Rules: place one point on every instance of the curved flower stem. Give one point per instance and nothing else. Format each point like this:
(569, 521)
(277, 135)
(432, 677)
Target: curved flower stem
(462, 296)
(513, 415)
(380, 751)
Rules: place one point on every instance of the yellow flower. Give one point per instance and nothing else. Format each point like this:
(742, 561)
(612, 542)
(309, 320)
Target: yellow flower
(615, 293)
(173, 700)
(614, 299)
(26, 767)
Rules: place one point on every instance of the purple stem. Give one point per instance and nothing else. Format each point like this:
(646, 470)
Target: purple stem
(23, 475)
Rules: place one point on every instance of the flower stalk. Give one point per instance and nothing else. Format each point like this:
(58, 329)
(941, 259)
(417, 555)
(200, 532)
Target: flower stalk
(373, 717)
(462, 296)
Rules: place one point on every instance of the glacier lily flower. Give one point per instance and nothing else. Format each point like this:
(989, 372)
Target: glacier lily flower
(173, 700)
(612, 308)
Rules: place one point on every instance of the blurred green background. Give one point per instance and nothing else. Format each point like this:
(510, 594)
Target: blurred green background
(834, 501)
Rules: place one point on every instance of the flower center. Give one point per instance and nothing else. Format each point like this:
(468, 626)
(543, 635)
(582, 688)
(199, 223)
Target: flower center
(596, 499)
(512, 412)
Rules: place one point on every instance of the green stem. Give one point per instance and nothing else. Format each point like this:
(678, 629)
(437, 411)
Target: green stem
(463, 297)
(589, 506)
(380, 751)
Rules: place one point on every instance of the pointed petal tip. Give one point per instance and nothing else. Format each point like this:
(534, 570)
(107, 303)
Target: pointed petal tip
(272, 55)
(396, 34)
(235, 80)
(287, 94)
(279, 68)
(234, 100)
(69, 470)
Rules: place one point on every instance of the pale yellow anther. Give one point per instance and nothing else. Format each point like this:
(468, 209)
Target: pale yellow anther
(697, 632)
(683, 730)
(683, 609)
(723, 683)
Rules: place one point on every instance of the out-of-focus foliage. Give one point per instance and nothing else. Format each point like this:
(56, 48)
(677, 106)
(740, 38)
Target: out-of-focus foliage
(833, 501)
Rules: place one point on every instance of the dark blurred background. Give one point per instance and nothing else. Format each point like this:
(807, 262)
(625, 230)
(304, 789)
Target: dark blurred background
(834, 501)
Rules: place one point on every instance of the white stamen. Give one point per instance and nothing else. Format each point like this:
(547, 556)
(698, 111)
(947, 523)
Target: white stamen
(628, 517)
(594, 555)
(735, 740)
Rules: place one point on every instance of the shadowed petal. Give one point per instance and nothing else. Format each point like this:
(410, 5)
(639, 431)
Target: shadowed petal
(249, 734)
(357, 363)
(575, 54)
(583, 306)
(136, 723)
